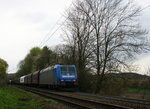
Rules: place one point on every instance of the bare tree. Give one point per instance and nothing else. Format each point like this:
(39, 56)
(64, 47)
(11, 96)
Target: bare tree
(116, 35)
(78, 31)
(65, 54)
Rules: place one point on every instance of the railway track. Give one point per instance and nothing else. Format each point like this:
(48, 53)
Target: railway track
(76, 102)
(131, 102)
(143, 101)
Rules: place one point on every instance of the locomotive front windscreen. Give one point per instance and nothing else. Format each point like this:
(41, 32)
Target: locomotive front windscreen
(67, 69)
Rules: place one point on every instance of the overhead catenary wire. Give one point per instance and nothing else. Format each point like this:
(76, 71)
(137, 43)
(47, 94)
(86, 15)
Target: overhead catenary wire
(44, 42)
(53, 33)
(50, 31)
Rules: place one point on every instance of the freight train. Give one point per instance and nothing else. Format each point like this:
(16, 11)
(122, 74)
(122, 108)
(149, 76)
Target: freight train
(57, 76)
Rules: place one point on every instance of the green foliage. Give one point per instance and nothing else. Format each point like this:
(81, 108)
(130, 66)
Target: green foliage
(45, 59)
(35, 51)
(134, 90)
(26, 66)
(36, 59)
(3, 68)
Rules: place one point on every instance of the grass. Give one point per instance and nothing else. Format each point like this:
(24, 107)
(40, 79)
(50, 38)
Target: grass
(10, 98)
(14, 98)
(134, 90)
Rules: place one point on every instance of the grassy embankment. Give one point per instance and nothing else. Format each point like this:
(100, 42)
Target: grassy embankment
(142, 91)
(14, 98)
(137, 93)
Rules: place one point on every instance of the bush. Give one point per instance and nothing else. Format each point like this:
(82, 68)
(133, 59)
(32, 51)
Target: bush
(3, 80)
(3, 68)
(112, 87)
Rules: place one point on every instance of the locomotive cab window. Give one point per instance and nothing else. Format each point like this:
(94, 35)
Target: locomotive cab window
(71, 69)
(67, 69)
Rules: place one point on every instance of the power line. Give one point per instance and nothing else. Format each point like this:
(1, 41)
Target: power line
(42, 43)
(50, 31)
(53, 33)
(145, 7)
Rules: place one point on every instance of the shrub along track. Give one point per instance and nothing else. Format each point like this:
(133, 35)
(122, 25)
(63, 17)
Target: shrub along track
(76, 102)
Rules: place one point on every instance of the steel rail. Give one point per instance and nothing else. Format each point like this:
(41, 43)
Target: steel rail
(77, 102)
(120, 99)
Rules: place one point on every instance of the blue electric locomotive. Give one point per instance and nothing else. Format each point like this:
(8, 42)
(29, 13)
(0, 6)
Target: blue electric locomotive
(59, 76)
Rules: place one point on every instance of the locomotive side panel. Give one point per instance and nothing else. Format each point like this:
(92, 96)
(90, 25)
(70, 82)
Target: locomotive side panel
(47, 77)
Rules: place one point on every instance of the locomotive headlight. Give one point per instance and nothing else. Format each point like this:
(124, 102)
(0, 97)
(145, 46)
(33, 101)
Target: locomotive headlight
(74, 80)
(62, 80)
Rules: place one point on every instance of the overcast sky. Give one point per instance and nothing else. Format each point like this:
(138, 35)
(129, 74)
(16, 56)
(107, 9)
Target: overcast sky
(26, 23)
